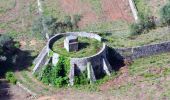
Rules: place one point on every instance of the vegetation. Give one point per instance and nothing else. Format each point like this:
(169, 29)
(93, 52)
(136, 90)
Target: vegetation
(143, 26)
(96, 5)
(165, 14)
(53, 25)
(11, 77)
(8, 54)
(7, 5)
(55, 75)
(143, 9)
(87, 47)
(81, 79)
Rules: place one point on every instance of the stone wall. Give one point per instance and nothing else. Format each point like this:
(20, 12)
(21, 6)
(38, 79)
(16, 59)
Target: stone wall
(85, 34)
(143, 51)
(80, 64)
(41, 60)
(134, 10)
(81, 34)
(95, 60)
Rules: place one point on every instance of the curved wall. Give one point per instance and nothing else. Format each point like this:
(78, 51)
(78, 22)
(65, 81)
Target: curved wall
(81, 63)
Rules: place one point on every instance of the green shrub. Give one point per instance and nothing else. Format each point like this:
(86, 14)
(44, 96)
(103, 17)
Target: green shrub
(51, 25)
(136, 29)
(165, 14)
(61, 81)
(143, 26)
(4, 39)
(76, 19)
(56, 75)
(11, 77)
(81, 79)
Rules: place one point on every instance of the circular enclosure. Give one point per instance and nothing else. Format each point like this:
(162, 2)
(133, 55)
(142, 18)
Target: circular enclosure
(88, 44)
(81, 62)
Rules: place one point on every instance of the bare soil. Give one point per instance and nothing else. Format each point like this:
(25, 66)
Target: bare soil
(12, 92)
(112, 10)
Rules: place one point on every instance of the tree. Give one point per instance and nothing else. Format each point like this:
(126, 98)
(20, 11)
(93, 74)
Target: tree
(7, 53)
(76, 19)
(165, 14)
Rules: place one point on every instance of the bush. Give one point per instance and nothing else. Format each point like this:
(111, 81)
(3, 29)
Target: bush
(11, 77)
(81, 79)
(56, 75)
(165, 14)
(136, 29)
(50, 25)
(37, 27)
(4, 39)
(76, 19)
(143, 26)
(8, 54)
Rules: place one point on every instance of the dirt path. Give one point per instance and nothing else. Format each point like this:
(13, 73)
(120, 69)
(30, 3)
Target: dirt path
(77, 95)
(118, 81)
(12, 92)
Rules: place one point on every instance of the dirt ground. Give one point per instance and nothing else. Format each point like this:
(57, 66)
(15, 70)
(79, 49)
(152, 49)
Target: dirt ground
(112, 10)
(12, 92)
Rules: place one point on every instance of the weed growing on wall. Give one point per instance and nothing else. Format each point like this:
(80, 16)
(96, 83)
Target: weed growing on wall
(81, 79)
(55, 75)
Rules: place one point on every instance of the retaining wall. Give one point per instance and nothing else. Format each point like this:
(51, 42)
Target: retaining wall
(143, 51)
(134, 10)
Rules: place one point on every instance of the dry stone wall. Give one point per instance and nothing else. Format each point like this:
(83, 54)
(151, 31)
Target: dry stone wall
(143, 51)
(134, 10)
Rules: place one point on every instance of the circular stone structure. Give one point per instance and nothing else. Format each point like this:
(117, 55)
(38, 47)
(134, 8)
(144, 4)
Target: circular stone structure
(98, 61)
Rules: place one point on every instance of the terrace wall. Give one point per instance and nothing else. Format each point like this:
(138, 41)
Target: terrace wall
(143, 51)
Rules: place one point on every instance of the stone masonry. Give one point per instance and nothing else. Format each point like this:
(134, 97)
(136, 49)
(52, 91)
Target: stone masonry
(71, 43)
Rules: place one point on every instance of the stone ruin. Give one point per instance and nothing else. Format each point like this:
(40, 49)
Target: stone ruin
(96, 65)
(71, 43)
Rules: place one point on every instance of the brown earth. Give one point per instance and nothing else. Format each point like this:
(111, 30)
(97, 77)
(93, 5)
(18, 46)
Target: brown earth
(12, 92)
(117, 9)
(112, 10)
(77, 7)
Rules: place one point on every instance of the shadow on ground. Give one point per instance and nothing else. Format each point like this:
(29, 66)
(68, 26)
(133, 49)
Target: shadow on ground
(16, 61)
(115, 59)
(4, 93)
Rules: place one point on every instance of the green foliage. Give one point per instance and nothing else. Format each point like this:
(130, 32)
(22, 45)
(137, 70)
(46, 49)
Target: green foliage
(55, 75)
(146, 20)
(87, 47)
(143, 9)
(165, 14)
(37, 27)
(76, 19)
(4, 39)
(143, 26)
(51, 25)
(11, 77)
(81, 79)
(8, 53)
(68, 23)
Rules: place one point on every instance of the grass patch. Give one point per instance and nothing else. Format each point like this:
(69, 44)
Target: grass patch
(94, 87)
(151, 66)
(96, 5)
(6, 5)
(87, 47)
(122, 38)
